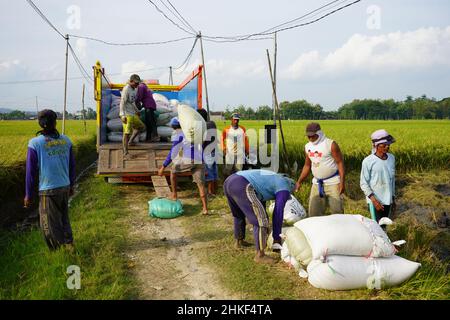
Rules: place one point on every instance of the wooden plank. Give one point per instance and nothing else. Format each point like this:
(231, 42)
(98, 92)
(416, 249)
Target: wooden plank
(161, 187)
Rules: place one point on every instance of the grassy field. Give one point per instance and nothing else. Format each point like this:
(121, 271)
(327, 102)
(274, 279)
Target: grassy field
(30, 271)
(14, 137)
(421, 145)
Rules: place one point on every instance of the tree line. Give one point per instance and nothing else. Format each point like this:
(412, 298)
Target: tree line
(366, 109)
(22, 115)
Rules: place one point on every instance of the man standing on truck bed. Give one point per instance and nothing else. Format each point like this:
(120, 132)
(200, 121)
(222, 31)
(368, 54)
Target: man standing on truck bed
(129, 113)
(144, 99)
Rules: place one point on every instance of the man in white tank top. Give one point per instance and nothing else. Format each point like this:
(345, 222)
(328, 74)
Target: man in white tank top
(324, 159)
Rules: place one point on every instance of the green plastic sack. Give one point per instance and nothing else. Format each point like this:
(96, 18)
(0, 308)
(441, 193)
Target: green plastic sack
(165, 208)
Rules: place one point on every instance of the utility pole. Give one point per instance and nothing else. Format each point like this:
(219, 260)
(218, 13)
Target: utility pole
(204, 72)
(277, 107)
(82, 104)
(65, 86)
(37, 108)
(274, 78)
(170, 76)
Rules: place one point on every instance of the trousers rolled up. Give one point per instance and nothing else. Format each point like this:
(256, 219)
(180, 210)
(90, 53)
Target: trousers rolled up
(244, 204)
(332, 197)
(54, 217)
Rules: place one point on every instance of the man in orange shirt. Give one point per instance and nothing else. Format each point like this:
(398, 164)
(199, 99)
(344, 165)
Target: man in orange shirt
(235, 146)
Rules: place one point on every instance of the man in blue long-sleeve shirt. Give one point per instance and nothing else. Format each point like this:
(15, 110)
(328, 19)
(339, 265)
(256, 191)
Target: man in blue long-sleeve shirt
(51, 158)
(186, 157)
(378, 176)
(247, 192)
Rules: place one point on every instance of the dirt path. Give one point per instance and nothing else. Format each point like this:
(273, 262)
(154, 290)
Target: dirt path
(163, 256)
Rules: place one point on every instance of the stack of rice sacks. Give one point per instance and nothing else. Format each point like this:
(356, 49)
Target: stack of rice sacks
(166, 110)
(344, 252)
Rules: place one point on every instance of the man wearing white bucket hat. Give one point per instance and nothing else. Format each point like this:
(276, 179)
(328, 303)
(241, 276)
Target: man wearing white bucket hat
(378, 176)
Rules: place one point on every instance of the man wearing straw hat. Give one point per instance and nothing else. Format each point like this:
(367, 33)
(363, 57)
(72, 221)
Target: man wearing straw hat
(378, 176)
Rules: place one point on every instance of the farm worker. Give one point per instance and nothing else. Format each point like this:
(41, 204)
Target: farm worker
(324, 159)
(378, 176)
(186, 157)
(50, 158)
(247, 192)
(209, 154)
(129, 113)
(144, 99)
(234, 145)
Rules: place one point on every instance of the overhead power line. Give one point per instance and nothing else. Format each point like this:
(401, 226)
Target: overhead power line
(277, 28)
(182, 18)
(131, 43)
(173, 22)
(83, 71)
(39, 12)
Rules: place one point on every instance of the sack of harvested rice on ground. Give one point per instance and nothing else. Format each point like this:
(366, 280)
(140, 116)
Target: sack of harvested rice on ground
(345, 234)
(164, 208)
(338, 272)
(293, 211)
(298, 246)
(269, 244)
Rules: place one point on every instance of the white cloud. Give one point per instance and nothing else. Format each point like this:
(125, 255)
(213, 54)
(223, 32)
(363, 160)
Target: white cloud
(416, 50)
(9, 64)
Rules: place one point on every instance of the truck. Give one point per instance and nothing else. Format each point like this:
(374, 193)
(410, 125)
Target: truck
(146, 158)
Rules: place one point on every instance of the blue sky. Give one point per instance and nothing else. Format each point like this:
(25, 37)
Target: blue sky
(373, 49)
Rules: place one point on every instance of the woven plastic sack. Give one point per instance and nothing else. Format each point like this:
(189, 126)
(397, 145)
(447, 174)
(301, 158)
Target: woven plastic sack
(293, 211)
(298, 246)
(164, 208)
(192, 123)
(345, 234)
(346, 272)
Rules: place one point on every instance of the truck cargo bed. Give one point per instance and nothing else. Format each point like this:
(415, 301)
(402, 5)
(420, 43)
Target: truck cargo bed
(145, 158)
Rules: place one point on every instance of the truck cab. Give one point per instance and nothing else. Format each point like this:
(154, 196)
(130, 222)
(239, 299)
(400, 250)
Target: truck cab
(146, 158)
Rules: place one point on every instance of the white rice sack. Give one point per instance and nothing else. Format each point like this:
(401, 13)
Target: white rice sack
(269, 243)
(165, 132)
(160, 99)
(113, 113)
(174, 102)
(162, 108)
(298, 246)
(192, 123)
(345, 234)
(164, 118)
(293, 211)
(346, 272)
(115, 136)
(115, 124)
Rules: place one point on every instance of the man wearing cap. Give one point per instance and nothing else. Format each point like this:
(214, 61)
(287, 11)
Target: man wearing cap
(378, 176)
(129, 113)
(51, 163)
(324, 159)
(186, 157)
(234, 145)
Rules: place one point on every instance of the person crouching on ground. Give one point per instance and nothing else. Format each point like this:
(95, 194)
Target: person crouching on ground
(129, 114)
(51, 157)
(186, 157)
(247, 192)
(377, 179)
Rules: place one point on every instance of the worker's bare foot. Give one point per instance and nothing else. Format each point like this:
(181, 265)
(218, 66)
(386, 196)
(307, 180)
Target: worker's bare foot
(265, 259)
(127, 156)
(205, 212)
